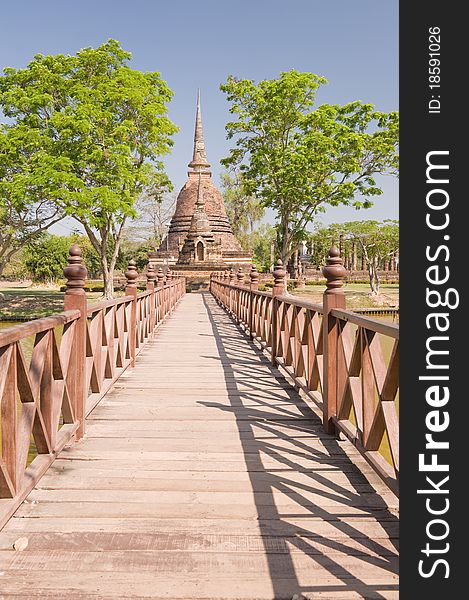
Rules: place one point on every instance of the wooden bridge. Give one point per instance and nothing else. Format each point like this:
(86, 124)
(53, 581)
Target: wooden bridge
(232, 446)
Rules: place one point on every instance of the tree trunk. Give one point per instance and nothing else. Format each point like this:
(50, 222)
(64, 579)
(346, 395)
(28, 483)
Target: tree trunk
(285, 256)
(354, 256)
(108, 278)
(374, 277)
(295, 265)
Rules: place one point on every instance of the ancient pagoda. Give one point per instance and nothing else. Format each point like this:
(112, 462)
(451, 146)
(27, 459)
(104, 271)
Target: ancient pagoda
(200, 239)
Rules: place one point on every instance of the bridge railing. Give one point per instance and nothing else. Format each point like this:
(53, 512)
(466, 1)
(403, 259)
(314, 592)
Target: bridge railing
(76, 357)
(346, 363)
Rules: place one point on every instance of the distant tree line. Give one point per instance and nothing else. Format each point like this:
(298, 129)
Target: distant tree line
(43, 259)
(371, 246)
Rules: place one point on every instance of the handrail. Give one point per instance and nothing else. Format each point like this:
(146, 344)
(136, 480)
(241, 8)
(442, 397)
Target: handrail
(10, 335)
(295, 301)
(69, 371)
(389, 329)
(107, 303)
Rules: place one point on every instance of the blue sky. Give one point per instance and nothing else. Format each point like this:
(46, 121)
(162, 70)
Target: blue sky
(354, 44)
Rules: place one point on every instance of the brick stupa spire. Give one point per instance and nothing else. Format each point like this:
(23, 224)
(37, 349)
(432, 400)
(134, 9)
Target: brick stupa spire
(199, 158)
(200, 234)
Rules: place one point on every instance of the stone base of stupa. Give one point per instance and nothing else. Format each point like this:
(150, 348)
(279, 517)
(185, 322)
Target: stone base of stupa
(198, 275)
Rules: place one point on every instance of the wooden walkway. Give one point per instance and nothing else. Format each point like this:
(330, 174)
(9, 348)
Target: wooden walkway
(203, 474)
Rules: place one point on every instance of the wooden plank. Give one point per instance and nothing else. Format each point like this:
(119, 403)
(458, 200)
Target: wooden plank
(84, 475)
(223, 460)
(305, 446)
(366, 528)
(214, 411)
(297, 428)
(181, 541)
(86, 481)
(160, 585)
(282, 499)
(66, 510)
(210, 565)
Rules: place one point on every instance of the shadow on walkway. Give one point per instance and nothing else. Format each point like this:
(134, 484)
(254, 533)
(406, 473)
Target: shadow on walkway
(312, 472)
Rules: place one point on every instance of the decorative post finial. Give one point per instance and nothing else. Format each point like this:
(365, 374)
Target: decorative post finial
(240, 276)
(254, 278)
(279, 279)
(151, 274)
(75, 272)
(232, 276)
(160, 277)
(334, 272)
(169, 275)
(131, 274)
(226, 275)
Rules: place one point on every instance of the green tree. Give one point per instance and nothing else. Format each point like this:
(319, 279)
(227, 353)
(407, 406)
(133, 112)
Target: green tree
(46, 258)
(136, 250)
(321, 240)
(377, 241)
(298, 160)
(26, 211)
(99, 129)
(243, 210)
(261, 241)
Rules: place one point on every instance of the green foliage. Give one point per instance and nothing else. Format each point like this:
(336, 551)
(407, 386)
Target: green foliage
(243, 210)
(261, 241)
(138, 251)
(95, 131)
(298, 159)
(321, 241)
(25, 210)
(46, 258)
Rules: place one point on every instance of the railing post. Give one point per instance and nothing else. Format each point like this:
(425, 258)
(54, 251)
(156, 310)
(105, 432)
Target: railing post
(169, 278)
(232, 276)
(151, 277)
(277, 290)
(226, 291)
(75, 299)
(333, 297)
(160, 278)
(160, 295)
(253, 286)
(239, 295)
(131, 290)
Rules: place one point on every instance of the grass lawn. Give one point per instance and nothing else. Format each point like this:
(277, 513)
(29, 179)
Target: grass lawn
(357, 295)
(33, 302)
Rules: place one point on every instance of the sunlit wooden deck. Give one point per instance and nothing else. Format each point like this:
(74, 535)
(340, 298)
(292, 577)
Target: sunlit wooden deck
(204, 474)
